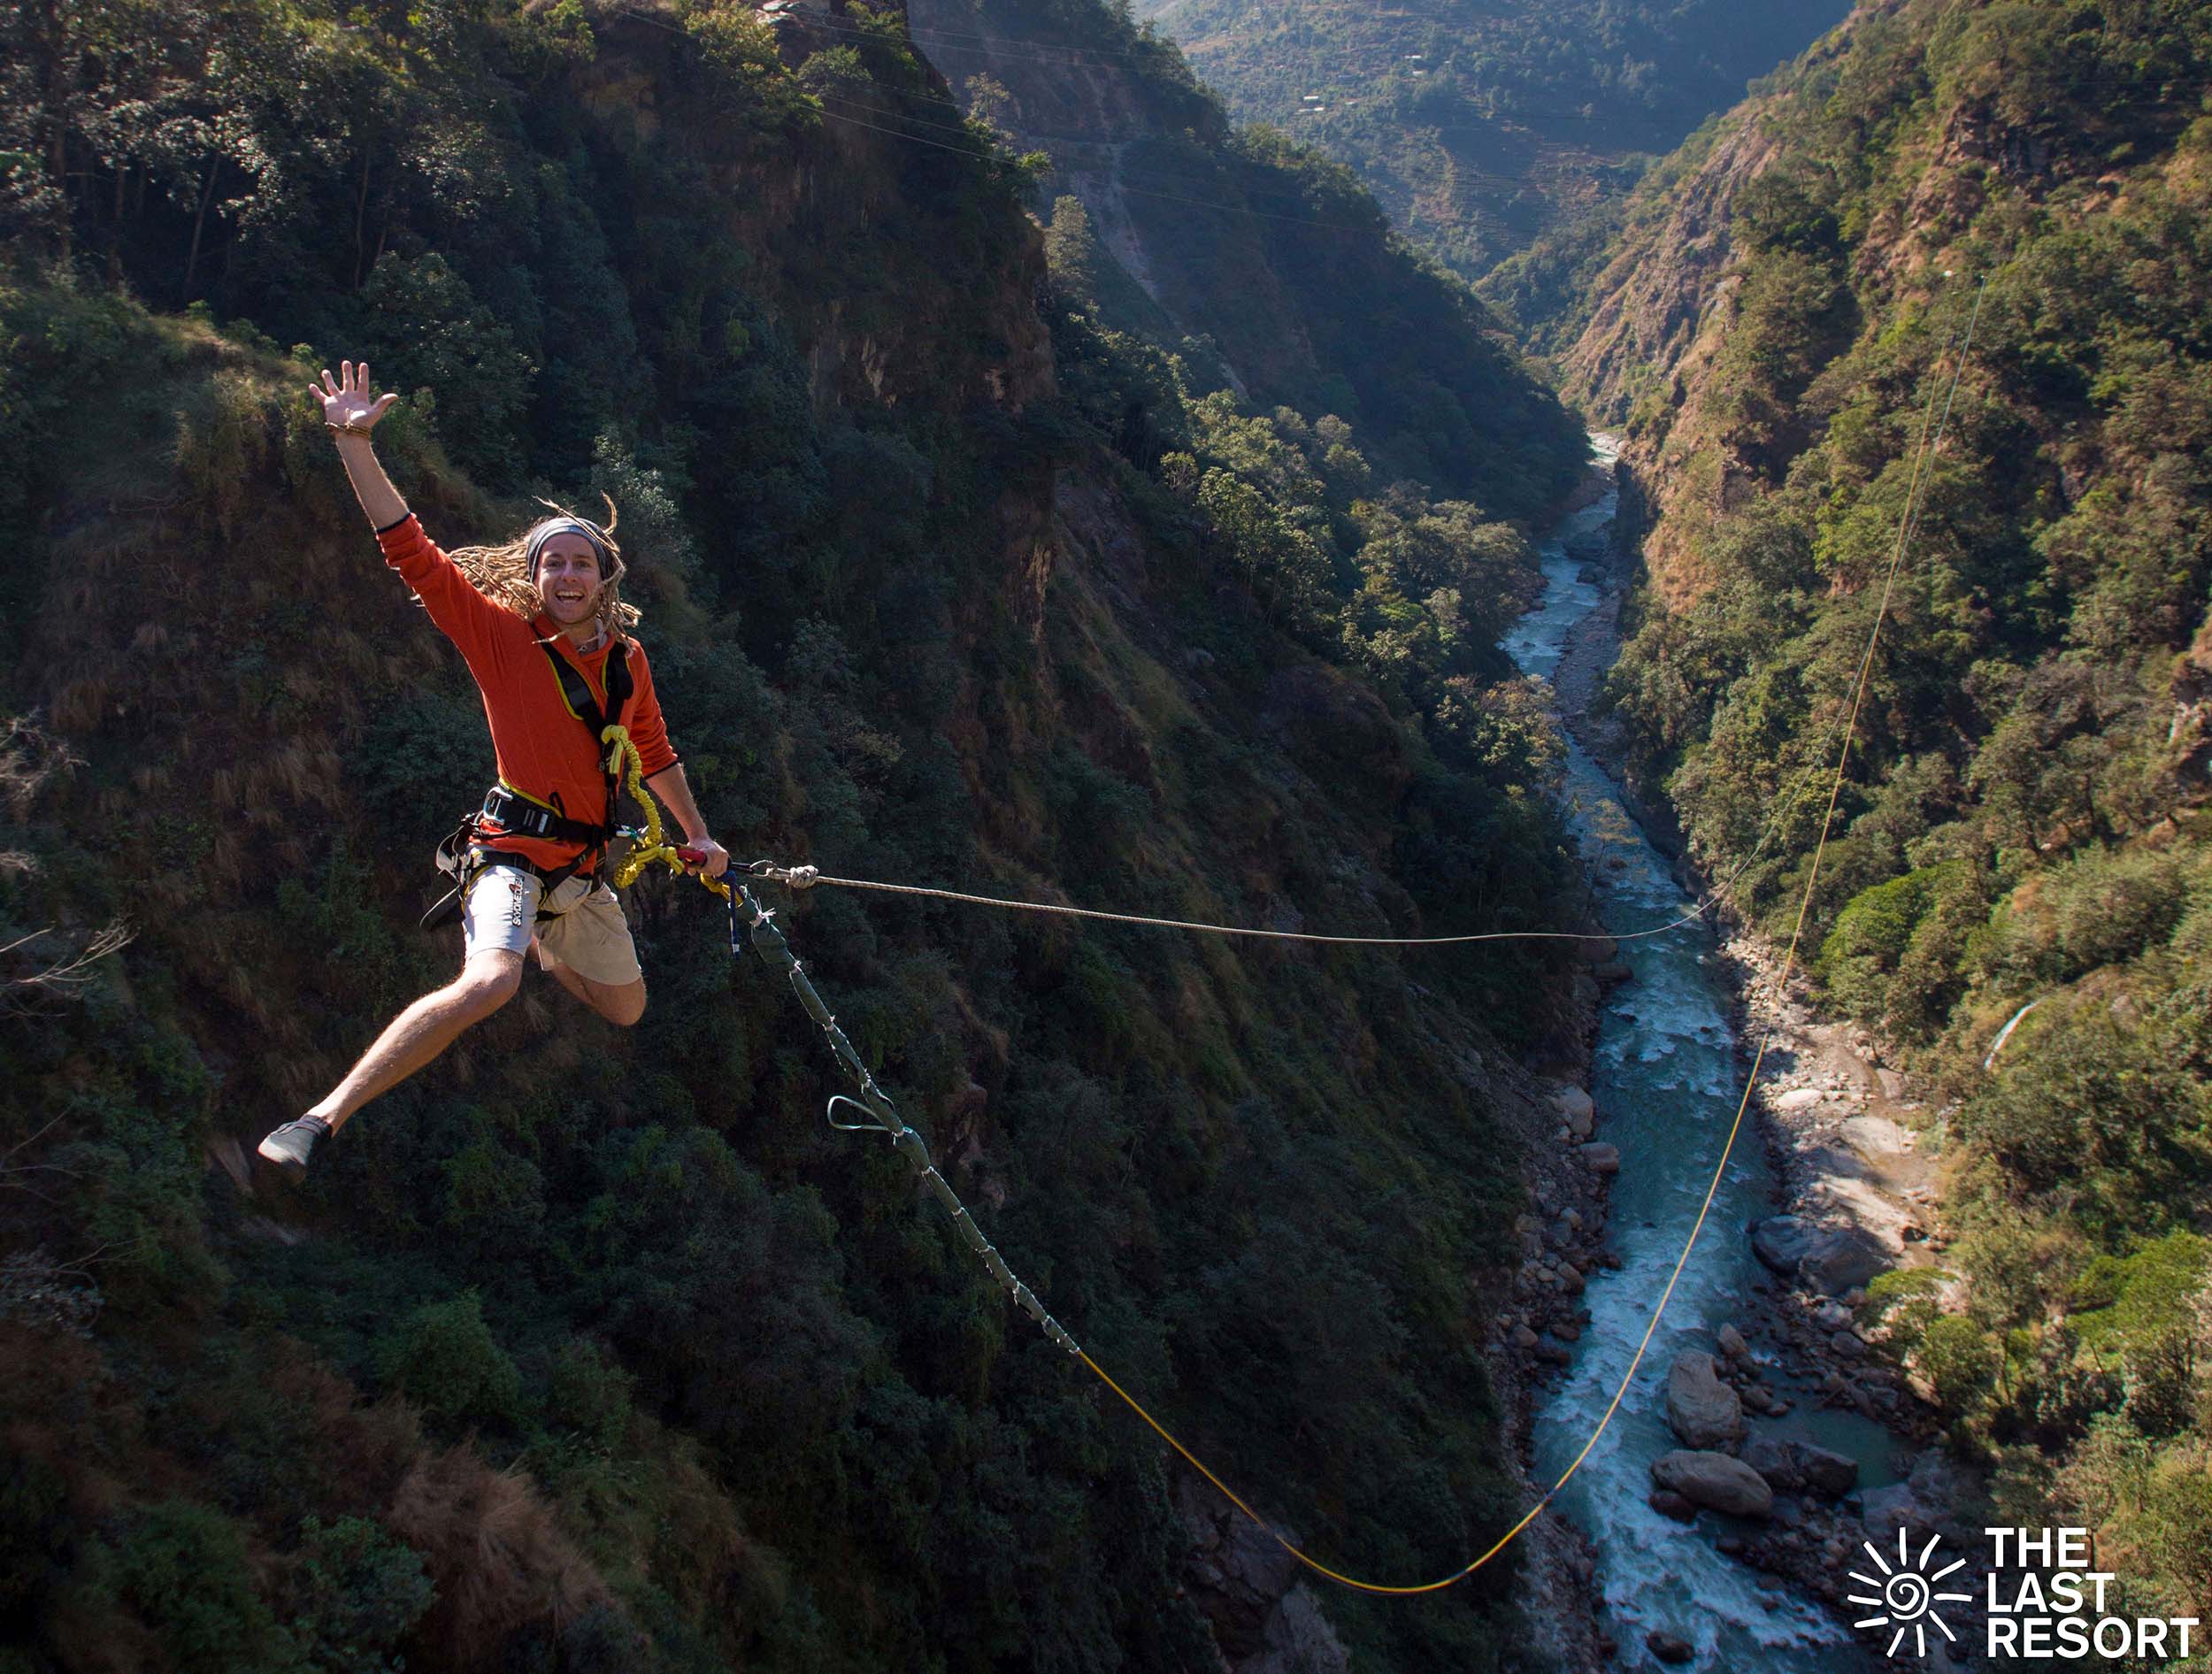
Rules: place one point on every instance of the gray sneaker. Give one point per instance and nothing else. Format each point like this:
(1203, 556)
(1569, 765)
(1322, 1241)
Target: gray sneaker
(291, 1144)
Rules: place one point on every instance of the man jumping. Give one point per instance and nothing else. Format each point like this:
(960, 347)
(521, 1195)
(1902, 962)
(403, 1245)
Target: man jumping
(539, 622)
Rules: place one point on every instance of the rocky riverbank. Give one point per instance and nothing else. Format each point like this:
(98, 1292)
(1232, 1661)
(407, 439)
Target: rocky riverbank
(1562, 1244)
(1550, 1112)
(1849, 1144)
(1856, 1192)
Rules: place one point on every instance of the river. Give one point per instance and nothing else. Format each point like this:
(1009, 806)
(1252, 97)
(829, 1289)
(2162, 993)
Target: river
(1666, 1077)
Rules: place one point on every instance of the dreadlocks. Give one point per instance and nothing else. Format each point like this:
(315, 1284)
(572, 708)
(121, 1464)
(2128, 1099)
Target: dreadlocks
(502, 575)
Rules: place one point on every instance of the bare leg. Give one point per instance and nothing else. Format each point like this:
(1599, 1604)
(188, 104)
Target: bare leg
(488, 981)
(622, 1004)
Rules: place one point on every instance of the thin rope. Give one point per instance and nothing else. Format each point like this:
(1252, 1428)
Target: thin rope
(1735, 1126)
(799, 878)
(771, 943)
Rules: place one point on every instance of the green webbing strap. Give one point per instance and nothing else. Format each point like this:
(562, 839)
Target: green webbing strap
(769, 943)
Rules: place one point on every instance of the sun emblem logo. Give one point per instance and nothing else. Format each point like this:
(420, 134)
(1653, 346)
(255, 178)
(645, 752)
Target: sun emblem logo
(1905, 1593)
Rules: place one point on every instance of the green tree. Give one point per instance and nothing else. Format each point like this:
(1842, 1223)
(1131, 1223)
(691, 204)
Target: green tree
(425, 329)
(184, 1570)
(355, 1595)
(444, 1357)
(1959, 1359)
(1071, 253)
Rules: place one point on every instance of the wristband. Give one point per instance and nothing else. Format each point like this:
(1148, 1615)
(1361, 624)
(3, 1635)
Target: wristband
(350, 430)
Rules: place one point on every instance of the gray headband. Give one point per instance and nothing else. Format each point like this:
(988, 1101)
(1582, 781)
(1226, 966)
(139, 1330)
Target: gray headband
(552, 526)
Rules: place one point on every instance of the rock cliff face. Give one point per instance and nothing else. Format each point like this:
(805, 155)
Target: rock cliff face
(1662, 312)
(1666, 303)
(1116, 124)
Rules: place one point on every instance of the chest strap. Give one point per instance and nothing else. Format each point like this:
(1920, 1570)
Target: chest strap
(519, 815)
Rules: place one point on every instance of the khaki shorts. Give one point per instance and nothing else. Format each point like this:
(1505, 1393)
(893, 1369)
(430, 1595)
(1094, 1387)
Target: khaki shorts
(588, 934)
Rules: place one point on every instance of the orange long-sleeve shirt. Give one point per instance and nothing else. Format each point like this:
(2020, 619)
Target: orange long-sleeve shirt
(542, 751)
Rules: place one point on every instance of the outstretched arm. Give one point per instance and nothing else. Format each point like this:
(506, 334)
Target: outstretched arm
(669, 786)
(350, 412)
(469, 620)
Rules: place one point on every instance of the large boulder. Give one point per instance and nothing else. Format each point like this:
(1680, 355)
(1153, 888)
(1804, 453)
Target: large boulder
(1264, 1619)
(1844, 1257)
(1781, 1241)
(1715, 1480)
(1829, 1258)
(1702, 1411)
(1791, 1466)
(1876, 1138)
(1576, 1110)
(1827, 1470)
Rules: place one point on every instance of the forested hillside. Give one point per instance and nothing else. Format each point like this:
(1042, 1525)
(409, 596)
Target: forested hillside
(591, 1349)
(2018, 892)
(1256, 255)
(1477, 125)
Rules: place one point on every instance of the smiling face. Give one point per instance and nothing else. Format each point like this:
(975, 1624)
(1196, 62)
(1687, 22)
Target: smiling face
(568, 579)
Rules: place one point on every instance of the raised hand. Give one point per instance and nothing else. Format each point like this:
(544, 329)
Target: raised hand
(346, 402)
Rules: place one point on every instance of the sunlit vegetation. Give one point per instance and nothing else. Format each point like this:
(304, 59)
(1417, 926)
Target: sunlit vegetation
(590, 1350)
(1479, 127)
(2022, 838)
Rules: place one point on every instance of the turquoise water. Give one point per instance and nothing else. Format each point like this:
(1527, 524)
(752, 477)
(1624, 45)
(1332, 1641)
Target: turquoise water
(1666, 1080)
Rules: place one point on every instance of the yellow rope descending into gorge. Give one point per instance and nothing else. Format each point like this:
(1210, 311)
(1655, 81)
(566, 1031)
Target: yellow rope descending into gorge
(769, 941)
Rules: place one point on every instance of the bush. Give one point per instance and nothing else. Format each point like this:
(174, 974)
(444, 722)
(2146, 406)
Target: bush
(2103, 1109)
(2065, 1391)
(1959, 1359)
(589, 1394)
(2114, 906)
(444, 1358)
(2120, 1300)
(422, 327)
(2176, 1525)
(2161, 1384)
(183, 1569)
(356, 1594)
(1902, 1302)
(1872, 934)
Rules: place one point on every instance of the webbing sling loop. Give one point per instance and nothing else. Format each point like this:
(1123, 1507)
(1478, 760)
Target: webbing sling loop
(768, 941)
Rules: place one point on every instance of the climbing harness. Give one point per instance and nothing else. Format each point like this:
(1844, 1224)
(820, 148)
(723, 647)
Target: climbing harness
(462, 856)
(748, 918)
